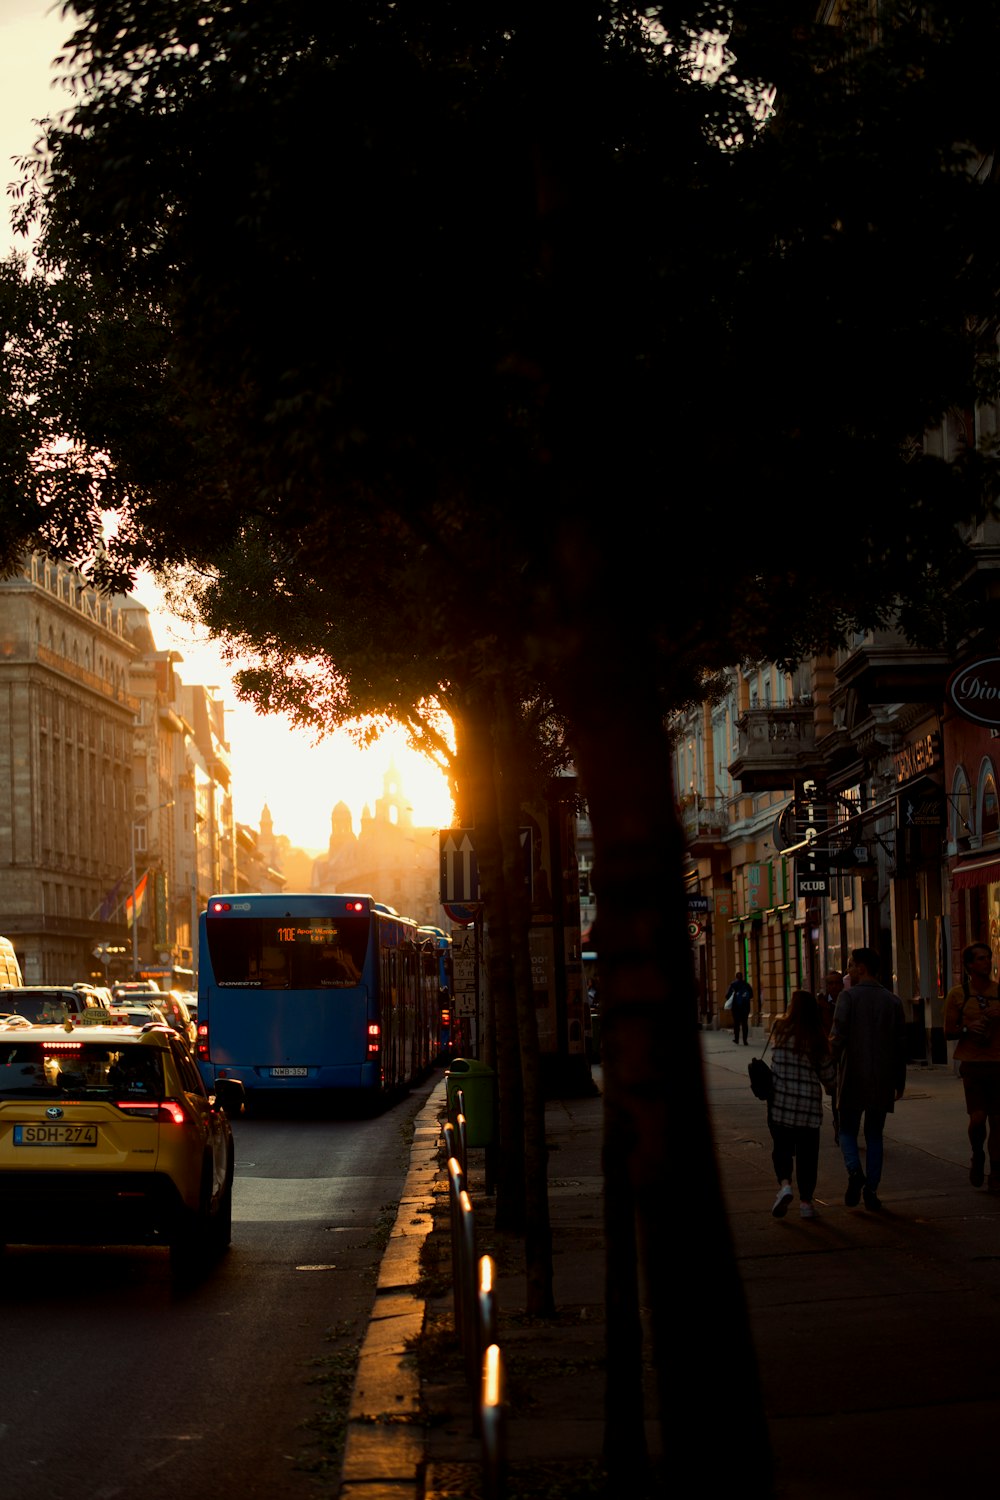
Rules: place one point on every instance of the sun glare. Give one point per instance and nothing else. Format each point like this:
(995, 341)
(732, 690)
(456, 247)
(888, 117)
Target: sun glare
(301, 781)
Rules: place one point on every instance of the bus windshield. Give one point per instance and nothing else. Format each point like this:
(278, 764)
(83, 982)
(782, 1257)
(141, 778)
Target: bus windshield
(288, 953)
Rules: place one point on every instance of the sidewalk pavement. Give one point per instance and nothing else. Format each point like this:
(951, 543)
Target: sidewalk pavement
(877, 1335)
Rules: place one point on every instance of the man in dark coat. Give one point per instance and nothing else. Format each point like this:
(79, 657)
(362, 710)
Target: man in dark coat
(741, 994)
(869, 1041)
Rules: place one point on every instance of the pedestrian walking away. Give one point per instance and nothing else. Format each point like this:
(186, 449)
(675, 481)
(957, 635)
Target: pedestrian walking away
(803, 1067)
(738, 999)
(869, 1043)
(972, 1020)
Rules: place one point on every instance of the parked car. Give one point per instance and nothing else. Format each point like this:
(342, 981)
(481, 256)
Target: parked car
(102, 992)
(107, 1136)
(10, 969)
(48, 1004)
(131, 1011)
(134, 987)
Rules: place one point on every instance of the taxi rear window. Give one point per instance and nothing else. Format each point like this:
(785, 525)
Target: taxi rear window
(41, 1008)
(32, 1069)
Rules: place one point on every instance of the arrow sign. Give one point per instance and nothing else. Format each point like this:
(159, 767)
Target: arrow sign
(459, 866)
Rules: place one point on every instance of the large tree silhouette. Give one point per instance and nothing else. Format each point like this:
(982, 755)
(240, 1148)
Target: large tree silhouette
(620, 323)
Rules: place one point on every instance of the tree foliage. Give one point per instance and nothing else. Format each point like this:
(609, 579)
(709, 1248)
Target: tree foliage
(610, 334)
(378, 259)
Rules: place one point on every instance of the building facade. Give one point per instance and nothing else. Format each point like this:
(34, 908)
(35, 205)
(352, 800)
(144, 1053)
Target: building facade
(67, 713)
(115, 786)
(390, 858)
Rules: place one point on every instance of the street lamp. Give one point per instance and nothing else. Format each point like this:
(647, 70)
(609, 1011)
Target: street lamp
(139, 823)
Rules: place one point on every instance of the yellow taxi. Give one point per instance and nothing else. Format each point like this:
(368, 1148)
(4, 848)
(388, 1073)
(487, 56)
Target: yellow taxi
(108, 1136)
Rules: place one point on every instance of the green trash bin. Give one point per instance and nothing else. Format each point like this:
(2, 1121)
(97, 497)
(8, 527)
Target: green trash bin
(477, 1083)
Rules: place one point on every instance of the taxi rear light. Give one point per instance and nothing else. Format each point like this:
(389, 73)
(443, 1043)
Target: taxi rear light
(166, 1110)
(139, 1111)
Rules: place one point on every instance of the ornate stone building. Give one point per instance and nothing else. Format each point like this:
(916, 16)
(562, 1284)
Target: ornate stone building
(391, 858)
(66, 747)
(114, 777)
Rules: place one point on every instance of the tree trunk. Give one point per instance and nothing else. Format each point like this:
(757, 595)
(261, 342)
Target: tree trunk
(539, 1298)
(476, 746)
(658, 1151)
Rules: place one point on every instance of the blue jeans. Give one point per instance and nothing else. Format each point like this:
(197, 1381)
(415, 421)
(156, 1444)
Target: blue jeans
(850, 1126)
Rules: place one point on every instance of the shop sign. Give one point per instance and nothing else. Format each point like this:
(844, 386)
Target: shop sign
(921, 806)
(975, 691)
(757, 888)
(812, 875)
(918, 757)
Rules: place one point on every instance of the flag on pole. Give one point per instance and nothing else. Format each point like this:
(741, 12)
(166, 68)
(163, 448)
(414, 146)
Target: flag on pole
(112, 901)
(135, 901)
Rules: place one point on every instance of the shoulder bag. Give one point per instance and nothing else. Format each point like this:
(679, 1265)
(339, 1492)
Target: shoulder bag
(761, 1076)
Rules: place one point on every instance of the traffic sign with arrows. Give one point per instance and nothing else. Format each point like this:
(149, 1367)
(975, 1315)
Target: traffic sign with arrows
(459, 866)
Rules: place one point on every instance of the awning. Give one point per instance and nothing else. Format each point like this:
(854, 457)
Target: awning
(983, 872)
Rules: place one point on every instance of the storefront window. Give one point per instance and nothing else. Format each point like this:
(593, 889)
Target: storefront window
(961, 808)
(989, 821)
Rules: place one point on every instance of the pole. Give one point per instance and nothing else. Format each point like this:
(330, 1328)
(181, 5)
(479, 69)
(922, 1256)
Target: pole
(135, 924)
(140, 823)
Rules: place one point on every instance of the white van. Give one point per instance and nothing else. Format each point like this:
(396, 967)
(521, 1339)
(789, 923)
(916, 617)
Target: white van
(10, 969)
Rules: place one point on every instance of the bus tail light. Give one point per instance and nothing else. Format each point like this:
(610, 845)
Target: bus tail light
(201, 1045)
(374, 1038)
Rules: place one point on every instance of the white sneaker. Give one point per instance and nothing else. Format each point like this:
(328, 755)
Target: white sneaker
(782, 1203)
(806, 1211)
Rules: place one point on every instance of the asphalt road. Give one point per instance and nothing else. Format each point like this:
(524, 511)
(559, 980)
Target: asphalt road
(112, 1383)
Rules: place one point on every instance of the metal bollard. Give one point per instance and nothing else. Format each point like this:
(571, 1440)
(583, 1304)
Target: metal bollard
(451, 1143)
(467, 1275)
(493, 1424)
(456, 1187)
(463, 1150)
(487, 1321)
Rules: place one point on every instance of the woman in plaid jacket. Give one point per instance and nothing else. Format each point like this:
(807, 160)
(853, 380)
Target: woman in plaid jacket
(803, 1069)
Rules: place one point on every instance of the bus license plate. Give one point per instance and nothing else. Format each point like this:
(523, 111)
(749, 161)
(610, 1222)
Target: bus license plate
(289, 1072)
(55, 1135)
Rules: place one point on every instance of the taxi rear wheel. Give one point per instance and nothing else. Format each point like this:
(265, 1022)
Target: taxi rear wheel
(222, 1220)
(194, 1241)
(191, 1246)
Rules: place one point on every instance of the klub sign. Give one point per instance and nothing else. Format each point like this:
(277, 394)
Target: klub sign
(975, 691)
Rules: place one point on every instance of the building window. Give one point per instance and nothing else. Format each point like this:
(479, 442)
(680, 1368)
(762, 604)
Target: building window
(960, 809)
(989, 812)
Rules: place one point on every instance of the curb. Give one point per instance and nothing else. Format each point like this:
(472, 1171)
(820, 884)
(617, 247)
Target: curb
(384, 1452)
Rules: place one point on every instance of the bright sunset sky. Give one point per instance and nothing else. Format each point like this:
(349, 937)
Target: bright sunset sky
(271, 763)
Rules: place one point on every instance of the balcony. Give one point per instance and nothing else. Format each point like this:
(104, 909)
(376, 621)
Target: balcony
(777, 747)
(883, 668)
(704, 821)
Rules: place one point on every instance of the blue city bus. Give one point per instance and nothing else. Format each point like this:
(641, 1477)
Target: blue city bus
(436, 953)
(313, 993)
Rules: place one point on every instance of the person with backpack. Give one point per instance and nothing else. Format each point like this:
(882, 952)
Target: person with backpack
(738, 1000)
(972, 1019)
